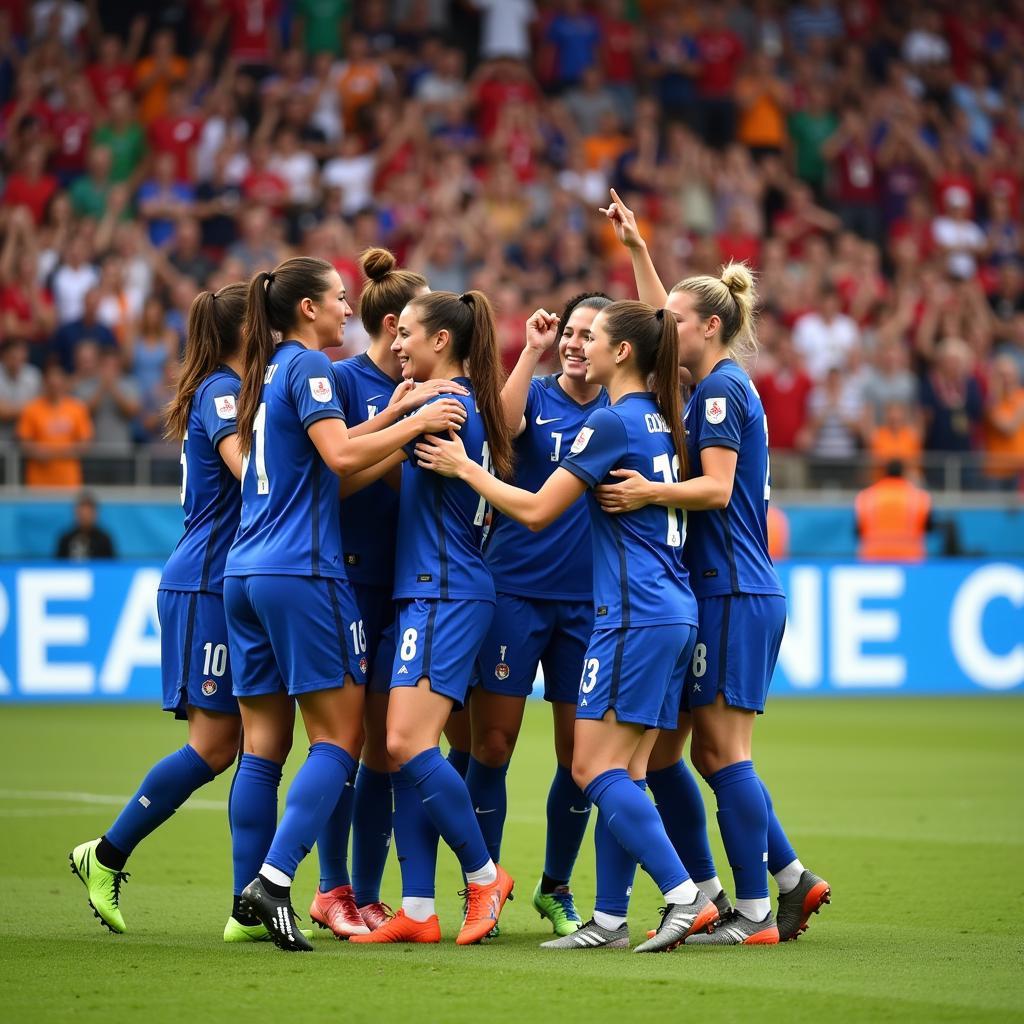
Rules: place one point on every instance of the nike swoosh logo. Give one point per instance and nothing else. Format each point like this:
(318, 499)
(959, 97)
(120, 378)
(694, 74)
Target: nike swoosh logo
(540, 422)
(577, 810)
(373, 398)
(491, 811)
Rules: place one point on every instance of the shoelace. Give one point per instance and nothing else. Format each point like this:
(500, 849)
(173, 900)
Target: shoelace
(472, 897)
(117, 878)
(564, 898)
(387, 910)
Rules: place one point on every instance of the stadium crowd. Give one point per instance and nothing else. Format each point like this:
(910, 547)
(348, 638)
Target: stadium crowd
(864, 158)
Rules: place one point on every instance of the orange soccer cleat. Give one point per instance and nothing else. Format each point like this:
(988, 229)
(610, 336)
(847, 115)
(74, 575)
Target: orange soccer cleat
(336, 909)
(483, 907)
(404, 929)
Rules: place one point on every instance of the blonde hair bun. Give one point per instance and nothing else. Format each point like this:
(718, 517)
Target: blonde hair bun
(737, 278)
(377, 263)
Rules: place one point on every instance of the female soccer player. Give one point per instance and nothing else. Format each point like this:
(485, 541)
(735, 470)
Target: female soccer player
(741, 602)
(294, 626)
(544, 612)
(445, 600)
(365, 384)
(645, 615)
(193, 644)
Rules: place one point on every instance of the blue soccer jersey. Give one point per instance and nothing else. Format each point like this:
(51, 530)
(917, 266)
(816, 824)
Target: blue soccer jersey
(290, 508)
(727, 549)
(557, 563)
(370, 516)
(209, 491)
(639, 575)
(441, 524)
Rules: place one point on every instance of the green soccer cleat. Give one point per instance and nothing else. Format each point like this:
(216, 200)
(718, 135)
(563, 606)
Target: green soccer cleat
(558, 907)
(234, 931)
(103, 885)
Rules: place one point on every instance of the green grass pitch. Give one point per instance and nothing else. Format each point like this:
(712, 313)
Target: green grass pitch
(913, 809)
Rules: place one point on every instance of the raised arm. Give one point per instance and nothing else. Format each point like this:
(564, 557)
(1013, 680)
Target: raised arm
(648, 284)
(534, 511)
(541, 331)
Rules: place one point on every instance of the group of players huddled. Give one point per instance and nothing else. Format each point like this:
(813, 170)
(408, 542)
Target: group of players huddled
(414, 535)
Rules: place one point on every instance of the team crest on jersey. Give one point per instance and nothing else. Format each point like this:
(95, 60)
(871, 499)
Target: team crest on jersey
(714, 410)
(225, 406)
(363, 665)
(209, 688)
(582, 440)
(320, 389)
(501, 670)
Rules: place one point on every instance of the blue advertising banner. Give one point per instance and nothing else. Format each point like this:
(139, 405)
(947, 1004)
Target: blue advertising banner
(90, 632)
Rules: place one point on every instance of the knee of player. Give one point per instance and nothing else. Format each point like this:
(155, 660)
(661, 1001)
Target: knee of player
(494, 747)
(400, 744)
(698, 758)
(583, 771)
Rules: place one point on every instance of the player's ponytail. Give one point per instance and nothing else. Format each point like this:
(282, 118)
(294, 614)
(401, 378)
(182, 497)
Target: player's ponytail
(469, 319)
(654, 338)
(488, 376)
(271, 306)
(388, 288)
(214, 323)
(733, 299)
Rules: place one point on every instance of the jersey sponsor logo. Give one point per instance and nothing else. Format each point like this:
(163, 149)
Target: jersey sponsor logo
(403, 671)
(424, 577)
(582, 440)
(541, 423)
(209, 688)
(320, 389)
(714, 410)
(602, 610)
(225, 406)
(363, 665)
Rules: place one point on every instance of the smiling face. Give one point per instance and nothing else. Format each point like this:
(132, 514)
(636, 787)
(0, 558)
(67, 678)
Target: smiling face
(418, 355)
(574, 337)
(693, 332)
(331, 310)
(599, 353)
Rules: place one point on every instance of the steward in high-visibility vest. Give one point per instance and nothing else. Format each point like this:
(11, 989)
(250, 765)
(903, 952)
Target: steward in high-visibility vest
(893, 518)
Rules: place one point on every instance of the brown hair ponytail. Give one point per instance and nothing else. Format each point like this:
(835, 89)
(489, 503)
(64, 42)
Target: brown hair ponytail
(654, 337)
(214, 325)
(271, 305)
(469, 318)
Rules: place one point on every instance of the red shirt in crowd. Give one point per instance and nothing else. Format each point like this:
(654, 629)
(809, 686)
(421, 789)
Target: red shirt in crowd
(785, 396)
(252, 23)
(617, 50)
(35, 195)
(261, 186)
(178, 135)
(739, 247)
(71, 129)
(856, 179)
(106, 81)
(492, 95)
(950, 181)
(719, 52)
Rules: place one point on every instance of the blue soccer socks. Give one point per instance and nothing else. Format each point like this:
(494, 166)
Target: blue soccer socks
(743, 821)
(487, 791)
(681, 806)
(568, 812)
(415, 839)
(332, 842)
(252, 812)
(616, 869)
(371, 833)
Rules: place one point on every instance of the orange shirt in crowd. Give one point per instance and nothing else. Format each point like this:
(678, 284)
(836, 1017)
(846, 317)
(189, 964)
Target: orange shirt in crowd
(153, 101)
(892, 521)
(778, 534)
(603, 150)
(902, 444)
(1005, 451)
(762, 123)
(359, 84)
(60, 426)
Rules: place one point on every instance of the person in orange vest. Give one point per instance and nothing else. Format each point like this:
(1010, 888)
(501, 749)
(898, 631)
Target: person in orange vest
(893, 517)
(778, 534)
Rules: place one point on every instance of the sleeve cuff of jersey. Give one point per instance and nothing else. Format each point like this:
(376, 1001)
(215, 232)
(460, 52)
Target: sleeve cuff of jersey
(322, 414)
(226, 431)
(580, 473)
(718, 442)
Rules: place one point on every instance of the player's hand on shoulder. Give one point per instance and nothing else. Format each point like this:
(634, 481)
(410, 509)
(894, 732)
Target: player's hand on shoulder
(443, 415)
(409, 395)
(444, 457)
(629, 494)
(541, 331)
(623, 221)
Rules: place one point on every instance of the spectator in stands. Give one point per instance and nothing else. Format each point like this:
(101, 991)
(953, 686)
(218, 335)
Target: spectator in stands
(152, 345)
(957, 237)
(186, 255)
(163, 199)
(54, 429)
(88, 328)
(897, 436)
(30, 185)
(124, 137)
(110, 396)
(785, 391)
(1004, 426)
(26, 307)
(889, 382)
(950, 399)
(833, 425)
(825, 336)
(85, 540)
(74, 278)
(20, 382)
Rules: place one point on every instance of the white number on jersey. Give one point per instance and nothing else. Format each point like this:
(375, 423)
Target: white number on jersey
(676, 517)
(259, 428)
(184, 468)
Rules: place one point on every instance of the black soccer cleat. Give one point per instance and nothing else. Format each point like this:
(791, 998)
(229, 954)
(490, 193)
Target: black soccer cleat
(277, 916)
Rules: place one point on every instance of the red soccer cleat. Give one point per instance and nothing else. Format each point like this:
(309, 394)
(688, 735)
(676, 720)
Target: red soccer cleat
(337, 911)
(376, 915)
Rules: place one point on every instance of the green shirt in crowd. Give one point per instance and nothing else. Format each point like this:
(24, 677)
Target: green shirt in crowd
(127, 148)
